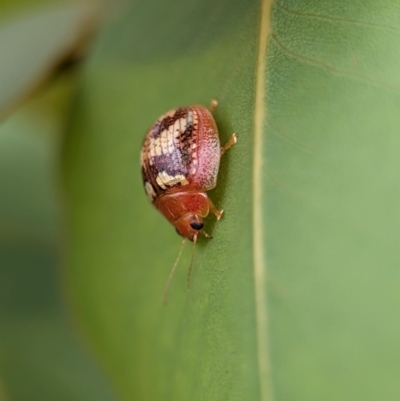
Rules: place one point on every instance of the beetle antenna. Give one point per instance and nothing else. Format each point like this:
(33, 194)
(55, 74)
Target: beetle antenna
(171, 274)
(191, 262)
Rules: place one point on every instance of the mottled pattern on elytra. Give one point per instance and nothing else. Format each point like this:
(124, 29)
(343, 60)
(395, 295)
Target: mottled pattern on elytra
(169, 151)
(181, 149)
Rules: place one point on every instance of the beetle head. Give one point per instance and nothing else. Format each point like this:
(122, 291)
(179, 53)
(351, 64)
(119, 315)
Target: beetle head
(190, 226)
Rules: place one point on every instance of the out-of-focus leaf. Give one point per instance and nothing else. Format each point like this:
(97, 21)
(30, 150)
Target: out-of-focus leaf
(7, 6)
(33, 44)
(41, 358)
(308, 242)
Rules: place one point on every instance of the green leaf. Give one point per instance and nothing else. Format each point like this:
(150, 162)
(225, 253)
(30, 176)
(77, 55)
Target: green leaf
(296, 297)
(32, 45)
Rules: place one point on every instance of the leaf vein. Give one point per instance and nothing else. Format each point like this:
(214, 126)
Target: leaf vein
(260, 266)
(335, 19)
(334, 70)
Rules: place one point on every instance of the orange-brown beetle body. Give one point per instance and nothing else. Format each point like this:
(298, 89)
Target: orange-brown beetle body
(180, 162)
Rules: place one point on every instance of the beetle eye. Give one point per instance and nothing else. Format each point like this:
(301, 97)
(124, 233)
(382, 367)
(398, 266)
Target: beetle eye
(196, 225)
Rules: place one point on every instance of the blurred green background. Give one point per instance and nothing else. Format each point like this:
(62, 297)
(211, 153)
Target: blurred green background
(41, 356)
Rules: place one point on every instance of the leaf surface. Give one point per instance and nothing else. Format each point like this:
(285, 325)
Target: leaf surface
(296, 297)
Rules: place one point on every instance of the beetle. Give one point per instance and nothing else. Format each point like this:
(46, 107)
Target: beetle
(180, 160)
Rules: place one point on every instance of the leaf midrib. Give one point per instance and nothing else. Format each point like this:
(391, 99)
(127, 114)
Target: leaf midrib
(260, 266)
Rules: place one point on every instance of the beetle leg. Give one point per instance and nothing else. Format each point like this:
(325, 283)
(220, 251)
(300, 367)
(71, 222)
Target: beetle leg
(214, 210)
(229, 144)
(213, 105)
(206, 234)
